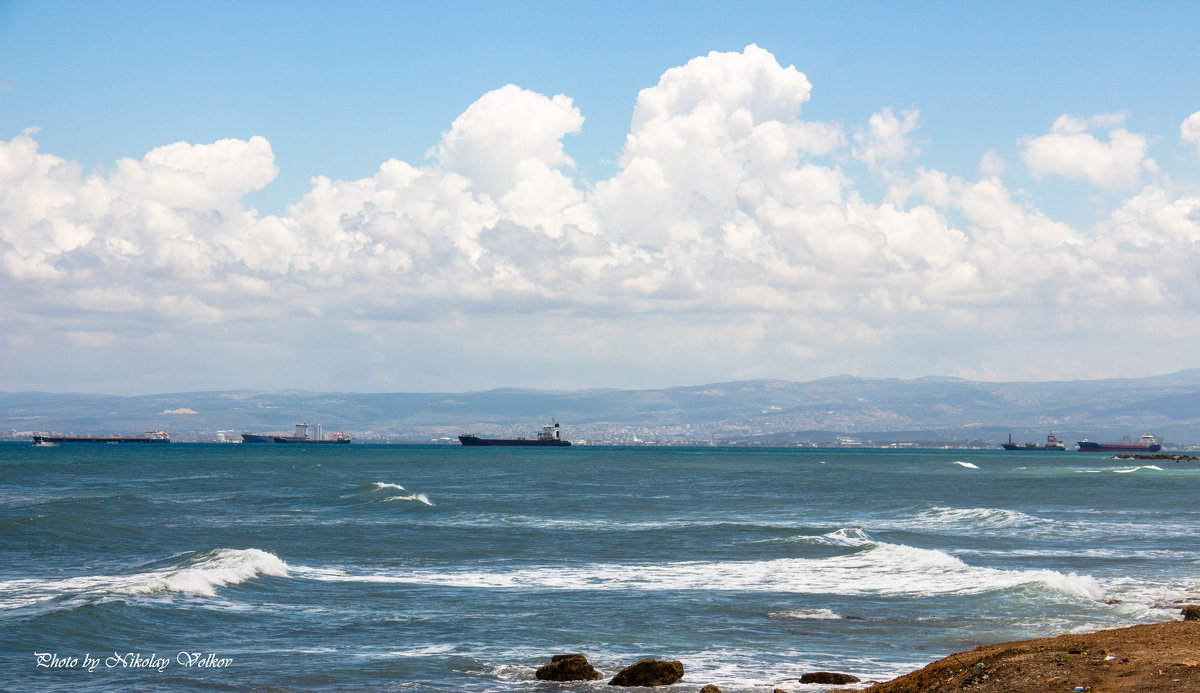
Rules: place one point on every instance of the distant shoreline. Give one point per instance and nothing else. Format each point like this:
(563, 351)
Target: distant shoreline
(27, 438)
(843, 411)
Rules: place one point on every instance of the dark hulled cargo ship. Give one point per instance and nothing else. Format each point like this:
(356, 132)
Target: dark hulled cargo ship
(550, 436)
(1148, 443)
(1052, 443)
(147, 437)
(299, 437)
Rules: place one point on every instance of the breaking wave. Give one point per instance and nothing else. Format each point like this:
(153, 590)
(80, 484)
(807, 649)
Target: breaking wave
(199, 573)
(805, 615)
(382, 485)
(416, 497)
(876, 568)
(976, 518)
(374, 493)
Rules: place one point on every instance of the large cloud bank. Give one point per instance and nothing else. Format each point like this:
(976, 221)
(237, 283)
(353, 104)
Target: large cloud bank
(731, 232)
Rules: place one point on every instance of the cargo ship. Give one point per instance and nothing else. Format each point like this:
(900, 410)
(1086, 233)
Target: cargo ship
(299, 437)
(550, 436)
(147, 437)
(1148, 443)
(1052, 443)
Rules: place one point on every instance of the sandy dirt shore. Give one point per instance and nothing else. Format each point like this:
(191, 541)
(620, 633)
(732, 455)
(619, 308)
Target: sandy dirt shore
(1151, 658)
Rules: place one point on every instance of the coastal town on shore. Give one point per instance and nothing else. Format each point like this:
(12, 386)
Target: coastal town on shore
(626, 436)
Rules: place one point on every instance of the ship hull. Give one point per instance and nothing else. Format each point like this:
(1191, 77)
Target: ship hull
(43, 440)
(1087, 446)
(1052, 443)
(255, 438)
(475, 441)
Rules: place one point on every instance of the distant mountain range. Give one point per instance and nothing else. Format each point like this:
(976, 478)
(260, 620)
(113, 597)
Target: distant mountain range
(870, 410)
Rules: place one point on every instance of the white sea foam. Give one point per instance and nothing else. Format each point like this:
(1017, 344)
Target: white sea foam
(602, 524)
(805, 615)
(417, 497)
(968, 465)
(200, 575)
(1157, 593)
(745, 669)
(1082, 525)
(842, 537)
(203, 574)
(381, 484)
(411, 497)
(877, 569)
(976, 518)
(1130, 470)
(415, 652)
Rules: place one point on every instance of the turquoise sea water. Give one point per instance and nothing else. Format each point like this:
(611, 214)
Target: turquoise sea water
(279, 568)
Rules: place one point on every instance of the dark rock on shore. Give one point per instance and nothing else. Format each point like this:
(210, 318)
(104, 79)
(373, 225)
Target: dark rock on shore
(828, 677)
(568, 667)
(710, 689)
(649, 672)
(1191, 612)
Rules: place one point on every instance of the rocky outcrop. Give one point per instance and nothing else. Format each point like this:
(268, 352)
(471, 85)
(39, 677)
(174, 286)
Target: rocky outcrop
(710, 688)
(1191, 612)
(649, 672)
(1149, 657)
(568, 667)
(830, 677)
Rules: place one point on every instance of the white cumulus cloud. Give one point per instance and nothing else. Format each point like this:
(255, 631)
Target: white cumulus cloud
(1073, 151)
(1190, 130)
(732, 240)
(888, 139)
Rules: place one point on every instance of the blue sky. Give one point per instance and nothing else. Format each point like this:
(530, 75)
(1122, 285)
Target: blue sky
(941, 149)
(338, 89)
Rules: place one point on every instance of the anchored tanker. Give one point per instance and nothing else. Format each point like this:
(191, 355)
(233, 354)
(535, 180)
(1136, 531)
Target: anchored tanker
(1148, 443)
(148, 437)
(1052, 443)
(301, 437)
(550, 436)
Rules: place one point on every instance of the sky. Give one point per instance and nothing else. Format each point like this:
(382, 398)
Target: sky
(449, 197)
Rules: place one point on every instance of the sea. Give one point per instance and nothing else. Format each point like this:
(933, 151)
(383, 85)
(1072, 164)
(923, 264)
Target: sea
(443, 568)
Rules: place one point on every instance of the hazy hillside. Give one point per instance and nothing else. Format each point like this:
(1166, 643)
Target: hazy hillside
(928, 409)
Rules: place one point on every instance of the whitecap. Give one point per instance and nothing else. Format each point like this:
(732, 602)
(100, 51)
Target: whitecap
(382, 484)
(968, 465)
(878, 569)
(415, 652)
(205, 572)
(805, 615)
(200, 574)
(1130, 470)
(976, 518)
(418, 497)
(846, 536)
